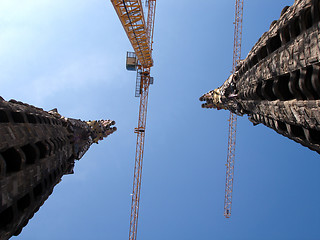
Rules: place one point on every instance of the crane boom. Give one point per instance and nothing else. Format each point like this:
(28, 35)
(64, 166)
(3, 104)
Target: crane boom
(130, 13)
(140, 34)
(233, 117)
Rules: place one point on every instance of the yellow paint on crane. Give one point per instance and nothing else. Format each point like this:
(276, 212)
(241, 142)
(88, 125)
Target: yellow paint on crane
(132, 19)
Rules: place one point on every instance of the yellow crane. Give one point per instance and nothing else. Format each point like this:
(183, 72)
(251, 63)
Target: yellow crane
(140, 33)
(233, 117)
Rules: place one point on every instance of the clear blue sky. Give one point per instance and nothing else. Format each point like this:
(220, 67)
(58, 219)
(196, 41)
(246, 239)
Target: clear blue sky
(71, 55)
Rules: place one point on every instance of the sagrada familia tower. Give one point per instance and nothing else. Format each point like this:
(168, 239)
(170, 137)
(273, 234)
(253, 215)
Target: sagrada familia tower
(278, 83)
(36, 149)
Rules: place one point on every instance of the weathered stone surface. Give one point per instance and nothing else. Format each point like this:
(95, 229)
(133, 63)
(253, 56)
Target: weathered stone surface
(278, 83)
(36, 149)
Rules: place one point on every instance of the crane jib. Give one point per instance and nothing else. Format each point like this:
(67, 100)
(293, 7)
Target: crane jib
(132, 19)
(124, 4)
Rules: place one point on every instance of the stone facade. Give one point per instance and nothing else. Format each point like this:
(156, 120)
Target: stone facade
(278, 83)
(36, 149)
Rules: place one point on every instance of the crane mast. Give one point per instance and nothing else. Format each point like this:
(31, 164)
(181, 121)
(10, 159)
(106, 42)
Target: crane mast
(233, 117)
(140, 130)
(140, 34)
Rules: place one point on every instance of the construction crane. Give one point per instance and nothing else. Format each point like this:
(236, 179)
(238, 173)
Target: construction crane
(233, 117)
(140, 34)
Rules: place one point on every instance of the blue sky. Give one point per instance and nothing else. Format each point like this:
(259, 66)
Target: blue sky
(71, 55)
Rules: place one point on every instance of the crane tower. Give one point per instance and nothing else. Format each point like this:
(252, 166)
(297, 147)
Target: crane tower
(140, 33)
(233, 117)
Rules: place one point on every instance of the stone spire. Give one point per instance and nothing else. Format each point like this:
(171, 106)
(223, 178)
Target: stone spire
(36, 149)
(278, 83)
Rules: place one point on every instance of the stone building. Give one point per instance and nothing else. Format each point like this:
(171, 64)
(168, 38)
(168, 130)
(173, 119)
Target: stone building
(278, 83)
(36, 149)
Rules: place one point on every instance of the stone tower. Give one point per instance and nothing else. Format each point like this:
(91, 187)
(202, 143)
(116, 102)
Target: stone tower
(36, 149)
(278, 83)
